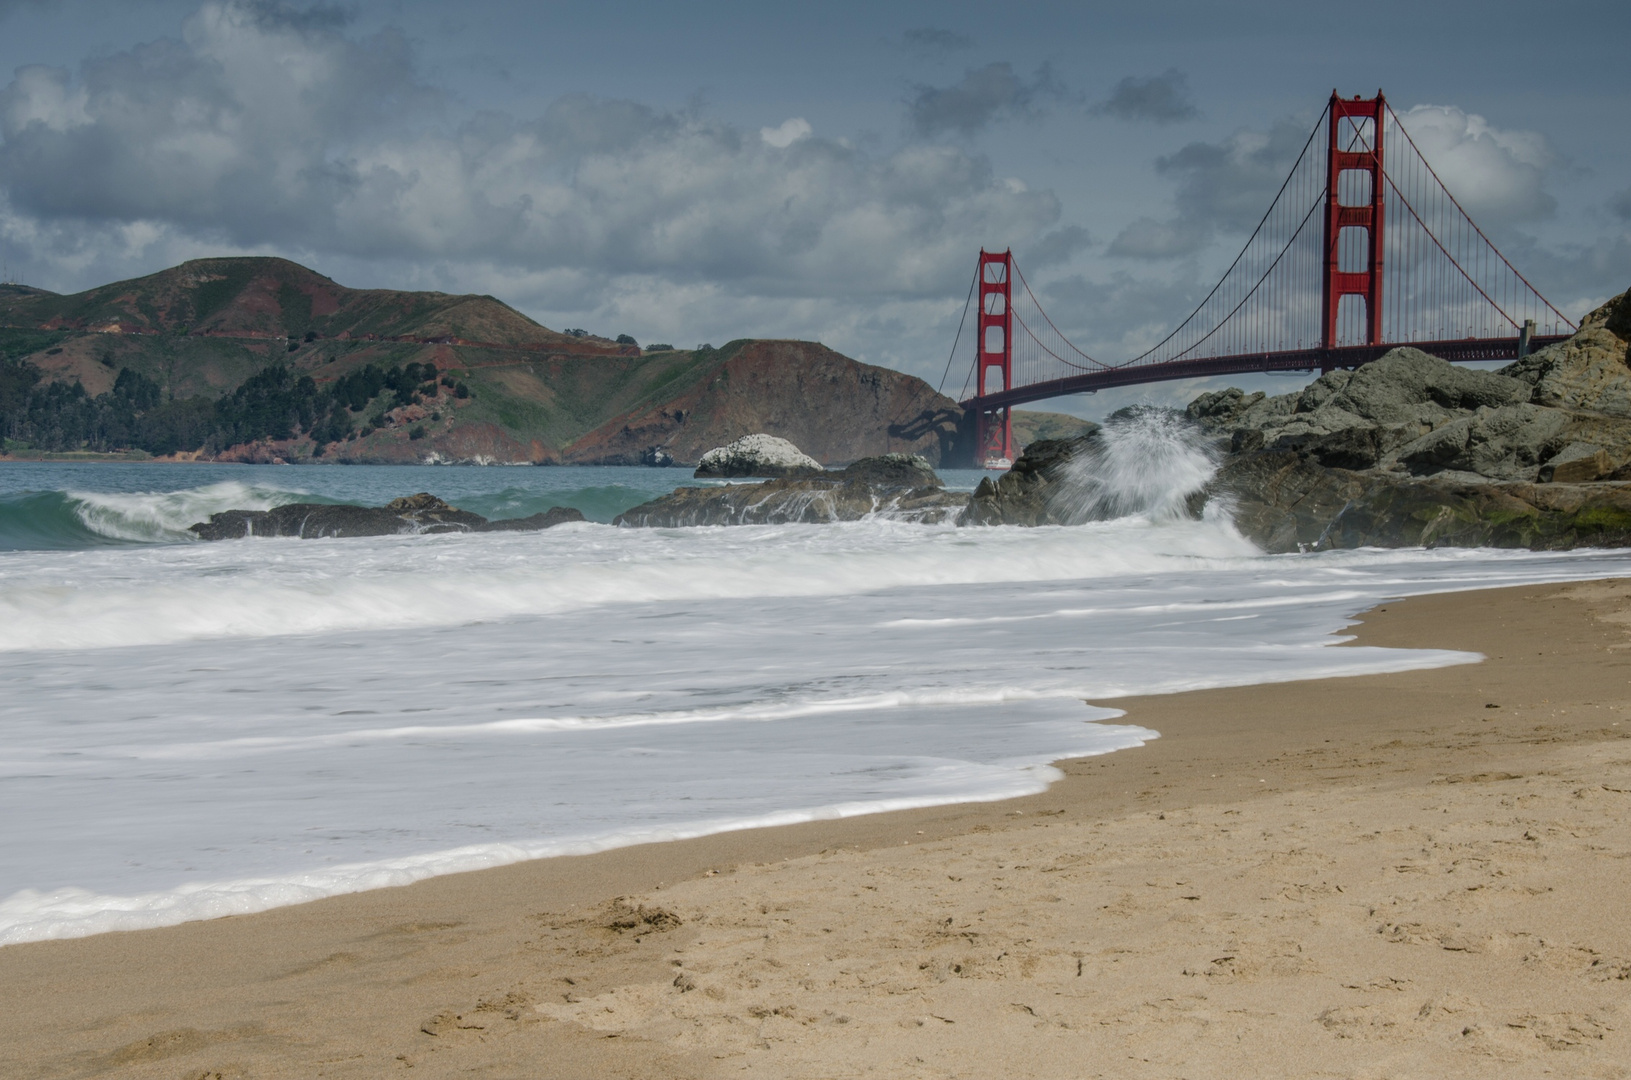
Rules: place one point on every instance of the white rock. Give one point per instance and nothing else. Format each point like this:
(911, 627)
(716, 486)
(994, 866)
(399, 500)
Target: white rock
(757, 455)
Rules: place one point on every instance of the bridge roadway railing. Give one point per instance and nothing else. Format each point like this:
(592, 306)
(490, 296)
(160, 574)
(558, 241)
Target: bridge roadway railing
(1347, 356)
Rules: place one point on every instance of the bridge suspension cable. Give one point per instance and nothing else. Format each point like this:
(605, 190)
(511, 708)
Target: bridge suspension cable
(1397, 261)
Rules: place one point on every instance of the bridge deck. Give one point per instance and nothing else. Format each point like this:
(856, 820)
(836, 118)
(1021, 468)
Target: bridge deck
(1251, 363)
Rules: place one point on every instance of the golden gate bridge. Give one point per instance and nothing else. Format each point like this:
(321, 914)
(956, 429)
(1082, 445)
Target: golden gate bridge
(1396, 258)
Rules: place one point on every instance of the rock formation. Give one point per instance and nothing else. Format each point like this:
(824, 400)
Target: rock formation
(422, 513)
(1032, 492)
(756, 456)
(1286, 501)
(901, 486)
(1407, 450)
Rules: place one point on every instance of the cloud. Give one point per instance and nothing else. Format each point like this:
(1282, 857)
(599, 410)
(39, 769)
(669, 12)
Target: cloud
(1146, 238)
(787, 133)
(981, 97)
(266, 128)
(1057, 247)
(932, 41)
(1161, 99)
(1498, 175)
(1226, 186)
(1621, 205)
(1221, 187)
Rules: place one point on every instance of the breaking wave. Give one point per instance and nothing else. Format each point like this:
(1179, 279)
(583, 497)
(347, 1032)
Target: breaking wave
(1147, 463)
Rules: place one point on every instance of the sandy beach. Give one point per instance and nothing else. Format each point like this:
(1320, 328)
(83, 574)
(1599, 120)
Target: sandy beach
(1409, 875)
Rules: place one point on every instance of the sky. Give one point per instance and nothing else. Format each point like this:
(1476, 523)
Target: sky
(708, 171)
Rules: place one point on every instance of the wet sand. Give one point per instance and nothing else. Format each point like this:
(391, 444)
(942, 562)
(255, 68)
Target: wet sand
(1414, 875)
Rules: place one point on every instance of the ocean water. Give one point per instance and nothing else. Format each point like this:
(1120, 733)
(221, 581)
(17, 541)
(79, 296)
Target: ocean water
(189, 730)
(68, 506)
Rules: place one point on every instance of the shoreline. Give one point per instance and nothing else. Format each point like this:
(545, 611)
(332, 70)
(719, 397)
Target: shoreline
(429, 974)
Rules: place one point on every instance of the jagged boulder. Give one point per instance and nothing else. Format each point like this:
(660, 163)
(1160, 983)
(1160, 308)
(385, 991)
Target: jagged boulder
(1028, 493)
(421, 513)
(893, 471)
(756, 456)
(900, 486)
(1284, 501)
(1417, 415)
(1410, 450)
(1588, 371)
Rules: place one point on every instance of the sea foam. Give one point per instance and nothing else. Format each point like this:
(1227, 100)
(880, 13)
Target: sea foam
(196, 729)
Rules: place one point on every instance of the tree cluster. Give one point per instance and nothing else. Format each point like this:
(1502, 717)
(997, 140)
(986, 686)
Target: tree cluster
(275, 403)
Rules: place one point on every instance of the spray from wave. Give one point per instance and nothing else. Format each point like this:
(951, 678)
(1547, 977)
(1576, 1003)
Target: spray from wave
(1145, 462)
(156, 516)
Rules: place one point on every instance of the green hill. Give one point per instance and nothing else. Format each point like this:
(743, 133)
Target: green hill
(259, 359)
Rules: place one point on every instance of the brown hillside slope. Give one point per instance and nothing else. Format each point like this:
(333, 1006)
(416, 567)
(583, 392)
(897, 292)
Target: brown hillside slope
(201, 329)
(833, 408)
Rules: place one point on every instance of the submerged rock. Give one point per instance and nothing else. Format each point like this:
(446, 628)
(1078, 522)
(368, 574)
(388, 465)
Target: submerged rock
(900, 486)
(756, 455)
(422, 513)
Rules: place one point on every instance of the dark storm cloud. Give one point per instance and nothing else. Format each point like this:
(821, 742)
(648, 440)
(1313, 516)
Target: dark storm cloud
(1621, 205)
(1161, 99)
(932, 41)
(979, 98)
(268, 125)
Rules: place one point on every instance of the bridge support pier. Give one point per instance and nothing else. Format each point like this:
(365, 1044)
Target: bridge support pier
(993, 428)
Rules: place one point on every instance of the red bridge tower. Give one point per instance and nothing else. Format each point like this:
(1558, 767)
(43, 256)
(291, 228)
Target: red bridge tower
(1355, 150)
(993, 429)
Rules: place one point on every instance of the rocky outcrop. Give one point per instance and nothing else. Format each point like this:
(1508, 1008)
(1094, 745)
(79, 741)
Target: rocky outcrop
(1560, 415)
(1406, 451)
(1031, 492)
(422, 513)
(1588, 371)
(1285, 501)
(1410, 450)
(900, 486)
(756, 456)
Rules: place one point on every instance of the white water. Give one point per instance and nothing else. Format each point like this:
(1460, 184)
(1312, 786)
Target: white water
(194, 730)
(1144, 464)
(151, 517)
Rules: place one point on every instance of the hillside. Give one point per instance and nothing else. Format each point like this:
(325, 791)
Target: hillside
(262, 359)
(277, 299)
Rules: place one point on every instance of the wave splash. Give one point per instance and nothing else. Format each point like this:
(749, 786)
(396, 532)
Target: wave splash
(1146, 463)
(160, 516)
(69, 520)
